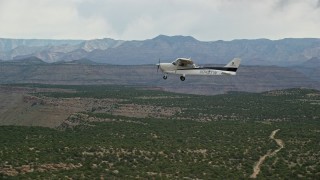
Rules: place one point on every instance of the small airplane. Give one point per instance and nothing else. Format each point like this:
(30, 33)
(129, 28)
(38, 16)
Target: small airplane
(184, 66)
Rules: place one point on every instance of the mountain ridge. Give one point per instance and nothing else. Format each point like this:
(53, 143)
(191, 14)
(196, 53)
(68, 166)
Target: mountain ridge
(283, 52)
(85, 72)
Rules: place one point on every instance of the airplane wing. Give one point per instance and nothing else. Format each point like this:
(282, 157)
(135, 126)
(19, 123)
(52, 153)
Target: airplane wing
(183, 62)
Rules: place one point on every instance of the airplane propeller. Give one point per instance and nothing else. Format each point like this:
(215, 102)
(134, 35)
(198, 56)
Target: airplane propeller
(158, 65)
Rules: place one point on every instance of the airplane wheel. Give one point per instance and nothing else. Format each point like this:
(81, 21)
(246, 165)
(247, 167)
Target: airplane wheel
(182, 78)
(165, 77)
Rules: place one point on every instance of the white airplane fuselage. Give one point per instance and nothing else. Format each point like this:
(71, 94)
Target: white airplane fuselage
(183, 67)
(169, 68)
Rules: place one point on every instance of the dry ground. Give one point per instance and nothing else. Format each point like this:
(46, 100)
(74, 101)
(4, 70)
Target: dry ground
(19, 107)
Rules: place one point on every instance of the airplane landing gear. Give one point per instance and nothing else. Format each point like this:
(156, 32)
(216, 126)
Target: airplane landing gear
(165, 77)
(182, 78)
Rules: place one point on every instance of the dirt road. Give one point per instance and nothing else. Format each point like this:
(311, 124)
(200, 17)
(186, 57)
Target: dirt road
(280, 143)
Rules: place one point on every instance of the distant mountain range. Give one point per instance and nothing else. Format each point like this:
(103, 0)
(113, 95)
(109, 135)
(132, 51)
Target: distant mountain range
(285, 52)
(84, 71)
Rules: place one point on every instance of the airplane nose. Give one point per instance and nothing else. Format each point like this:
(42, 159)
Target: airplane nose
(164, 66)
(161, 67)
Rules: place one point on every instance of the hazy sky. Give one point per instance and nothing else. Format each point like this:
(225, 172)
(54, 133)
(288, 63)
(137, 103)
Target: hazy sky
(205, 20)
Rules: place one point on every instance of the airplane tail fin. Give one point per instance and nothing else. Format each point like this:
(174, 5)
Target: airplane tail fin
(235, 63)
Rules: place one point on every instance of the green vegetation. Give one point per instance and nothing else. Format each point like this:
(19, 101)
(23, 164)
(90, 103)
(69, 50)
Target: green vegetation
(219, 137)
